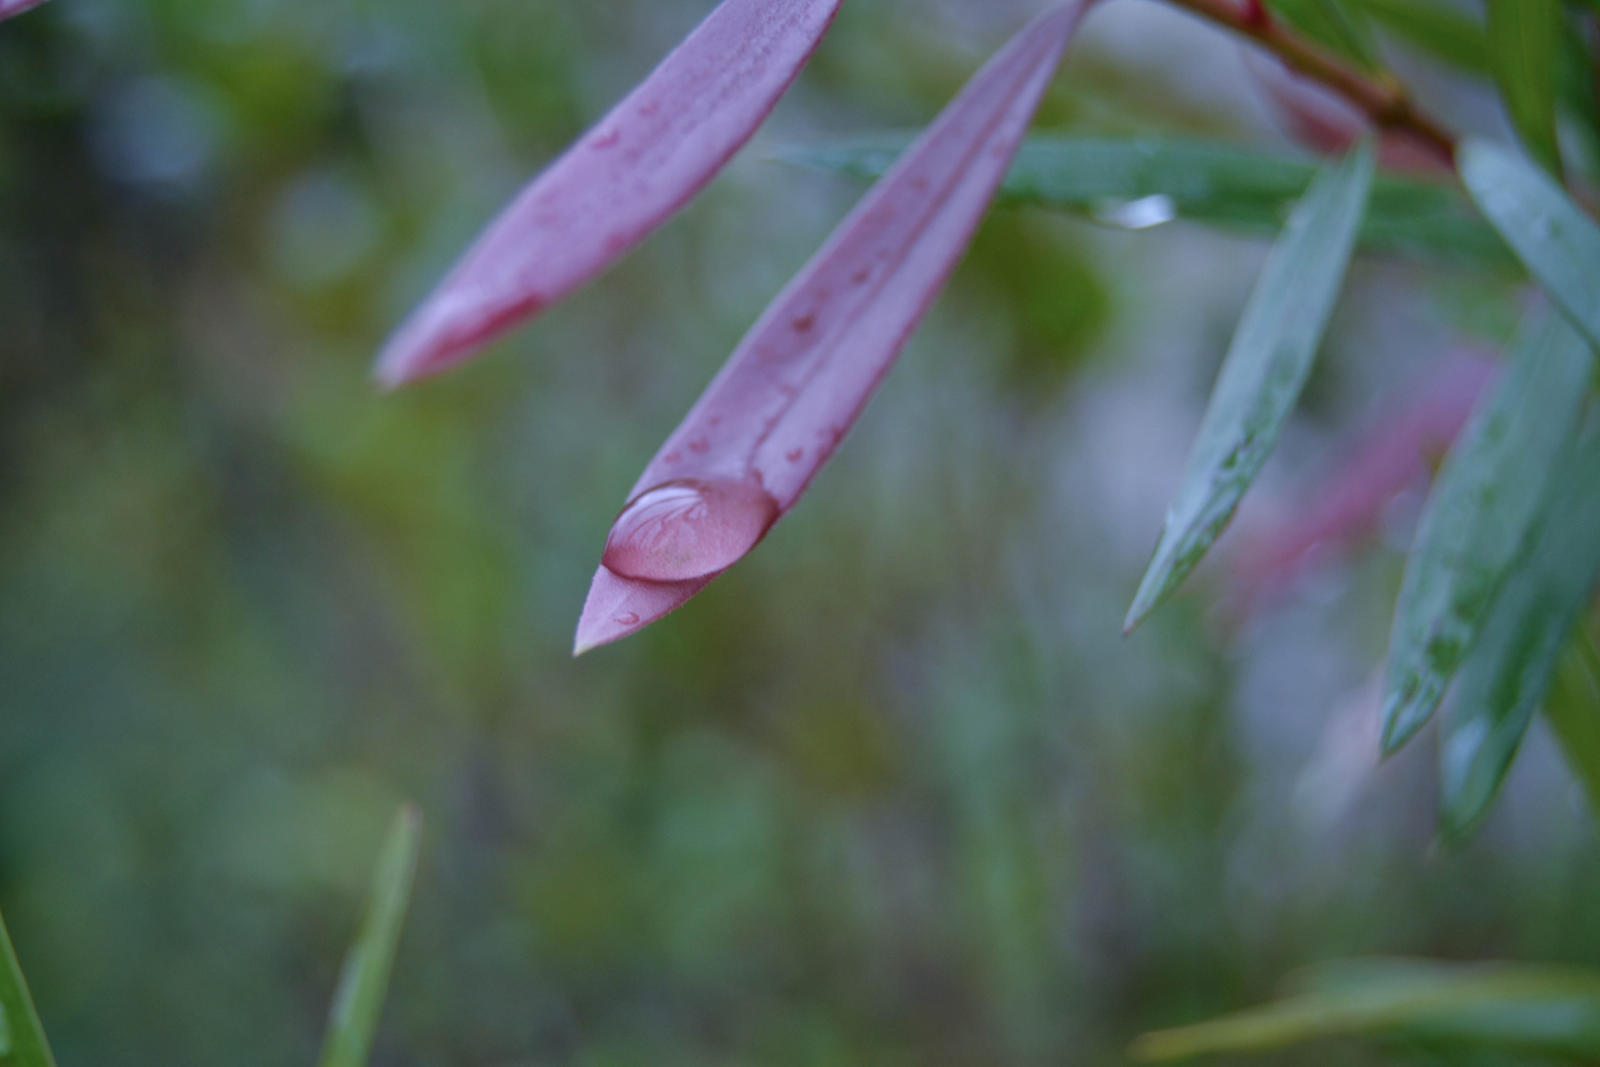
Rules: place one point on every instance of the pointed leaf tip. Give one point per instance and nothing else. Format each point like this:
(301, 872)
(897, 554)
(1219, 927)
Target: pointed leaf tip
(647, 158)
(364, 979)
(780, 406)
(1263, 373)
(1477, 518)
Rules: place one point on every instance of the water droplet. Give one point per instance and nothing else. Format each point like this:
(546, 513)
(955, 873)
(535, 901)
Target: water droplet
(1140, 214)
(699, 444)
(627, 618)
(688, 528)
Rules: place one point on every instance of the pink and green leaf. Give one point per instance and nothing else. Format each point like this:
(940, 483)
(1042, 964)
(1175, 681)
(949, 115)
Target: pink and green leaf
(791, 390)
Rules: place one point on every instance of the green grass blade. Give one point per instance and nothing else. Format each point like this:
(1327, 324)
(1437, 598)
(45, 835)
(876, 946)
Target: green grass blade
(1204, 181)
(1481, 509)
(1551, 1010)
(365, 977)
(1524, 50)
(1559, 244)
(1573, 712)
(22, 1041)
(1510, 670)
(1263, 373)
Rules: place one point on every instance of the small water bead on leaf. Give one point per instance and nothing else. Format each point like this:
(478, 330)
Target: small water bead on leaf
(688, 528)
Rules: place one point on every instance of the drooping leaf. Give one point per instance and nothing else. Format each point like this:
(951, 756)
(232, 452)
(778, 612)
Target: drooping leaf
(1482, 508)
(1559, 244)
(1439, 28)
(639, 165)
(1146, 180)
(1536, 1009)
(1509, 672)
(353, 1019)
(1263, 373)
(1573, 711)
(1524, 50)
(797, 382)
(22, 1040)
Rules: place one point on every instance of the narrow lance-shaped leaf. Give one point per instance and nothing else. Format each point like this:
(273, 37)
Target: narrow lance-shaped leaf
(780, 406)
(22, 1041)
(1509, 672)
(16, 7)
(1477, 518)
(622, 180)
(365, 977)
(1438, 27)
(1559, 244)
(1542, 1009)
(1263, 373)
(1169, 178)
(1524, 48)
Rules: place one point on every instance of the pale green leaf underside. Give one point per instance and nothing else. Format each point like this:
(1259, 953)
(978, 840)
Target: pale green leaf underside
(1509, 672)
(1476, 520)
(1559, 244)
(1200, 181)
(364, 979)
(1263, 373)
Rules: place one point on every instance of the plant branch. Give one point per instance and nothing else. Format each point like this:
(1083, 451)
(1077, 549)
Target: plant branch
(1383, 100)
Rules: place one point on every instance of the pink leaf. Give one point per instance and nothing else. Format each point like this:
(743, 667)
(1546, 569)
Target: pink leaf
(16, 7)
(779, 407)
(628, 175)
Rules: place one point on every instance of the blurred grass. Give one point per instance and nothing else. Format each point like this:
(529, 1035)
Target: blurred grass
(893, 792)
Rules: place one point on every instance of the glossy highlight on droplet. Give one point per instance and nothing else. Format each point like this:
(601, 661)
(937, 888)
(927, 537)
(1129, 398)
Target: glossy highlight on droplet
(688, 528)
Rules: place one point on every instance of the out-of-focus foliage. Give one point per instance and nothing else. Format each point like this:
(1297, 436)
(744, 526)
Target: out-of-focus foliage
(894, 792)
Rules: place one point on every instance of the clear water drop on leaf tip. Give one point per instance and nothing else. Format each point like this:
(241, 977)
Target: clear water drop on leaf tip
(688, 528)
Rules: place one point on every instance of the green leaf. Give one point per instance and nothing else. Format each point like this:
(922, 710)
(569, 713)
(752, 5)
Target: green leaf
(22, 1041)
(1573, 711)
(1440, 29)
(1524, 50)
(1559, 244)
(1480, 511)
(1263, 373)
(1332, 24)
(1201, 181)
(1546, 1010)
(365, 977)
(1505, 679)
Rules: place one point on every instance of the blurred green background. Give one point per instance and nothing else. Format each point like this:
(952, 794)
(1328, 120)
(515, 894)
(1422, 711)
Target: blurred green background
(893, 791)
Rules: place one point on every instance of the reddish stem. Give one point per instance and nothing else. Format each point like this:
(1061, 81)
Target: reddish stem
(1384, 101)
